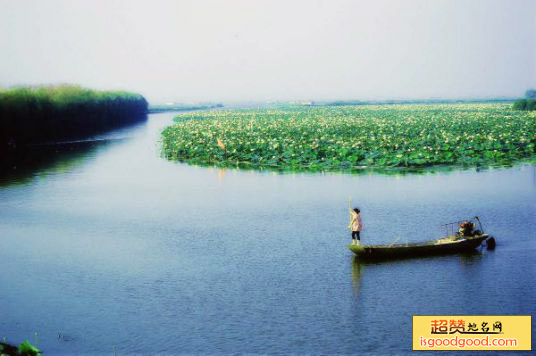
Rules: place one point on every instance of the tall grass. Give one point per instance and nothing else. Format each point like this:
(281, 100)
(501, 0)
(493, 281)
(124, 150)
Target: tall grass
(41, 114)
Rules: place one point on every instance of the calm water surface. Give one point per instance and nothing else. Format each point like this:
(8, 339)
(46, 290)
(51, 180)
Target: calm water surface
(116, 249)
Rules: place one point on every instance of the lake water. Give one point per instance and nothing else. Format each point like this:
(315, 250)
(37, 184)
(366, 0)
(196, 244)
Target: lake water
(114, 249)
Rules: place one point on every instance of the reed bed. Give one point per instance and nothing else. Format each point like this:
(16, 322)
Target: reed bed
(30, 115)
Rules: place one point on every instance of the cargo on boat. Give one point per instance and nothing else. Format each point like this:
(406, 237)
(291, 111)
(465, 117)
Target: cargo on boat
(465, 240)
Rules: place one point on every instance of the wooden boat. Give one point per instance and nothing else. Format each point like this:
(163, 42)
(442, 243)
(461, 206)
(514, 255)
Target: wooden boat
(465, 240)
(446, 245)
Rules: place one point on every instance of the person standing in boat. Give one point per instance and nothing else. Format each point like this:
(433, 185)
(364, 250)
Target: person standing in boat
(356, 225)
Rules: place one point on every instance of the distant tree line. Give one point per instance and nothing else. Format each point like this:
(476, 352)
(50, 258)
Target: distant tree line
(410, 101)
(528, 103)
(182, 107)
(32, 115)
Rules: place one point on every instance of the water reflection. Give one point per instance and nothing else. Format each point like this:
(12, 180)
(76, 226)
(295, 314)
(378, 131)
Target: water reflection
(472, 257)
(467, 261)
(59, 158)
(357, 267)
(360, 171)
(221, 174)
(62, 157)
(465, 257)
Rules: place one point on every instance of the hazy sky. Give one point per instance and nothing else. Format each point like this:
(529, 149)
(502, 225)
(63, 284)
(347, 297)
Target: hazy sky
(266, 50)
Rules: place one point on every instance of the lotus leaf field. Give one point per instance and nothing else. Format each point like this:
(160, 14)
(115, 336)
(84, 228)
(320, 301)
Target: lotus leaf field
(345, 138)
